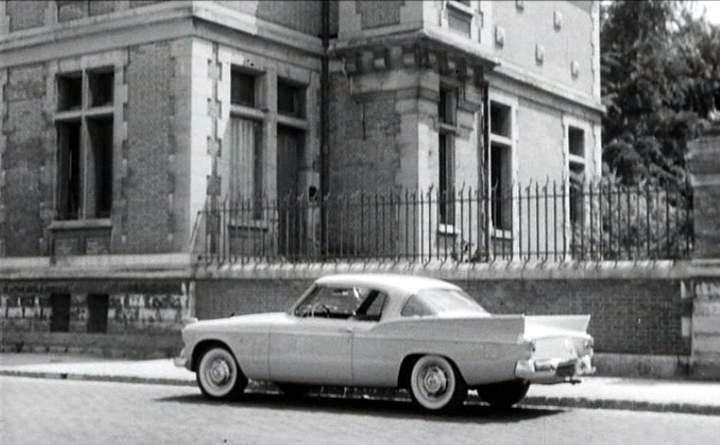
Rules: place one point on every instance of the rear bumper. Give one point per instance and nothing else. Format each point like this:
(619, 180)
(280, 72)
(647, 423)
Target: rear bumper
(554, 370)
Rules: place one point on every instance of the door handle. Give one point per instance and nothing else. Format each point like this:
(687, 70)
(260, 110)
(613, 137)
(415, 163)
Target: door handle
(346, 330)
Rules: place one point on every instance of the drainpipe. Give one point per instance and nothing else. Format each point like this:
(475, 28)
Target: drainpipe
(324, 89)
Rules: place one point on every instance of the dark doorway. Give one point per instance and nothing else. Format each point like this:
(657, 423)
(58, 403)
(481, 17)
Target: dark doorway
(290, 143)
(97, 313)
(60, 306)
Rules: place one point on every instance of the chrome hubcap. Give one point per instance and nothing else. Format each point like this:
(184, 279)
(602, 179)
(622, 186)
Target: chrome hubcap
(219, 372)
(434, 381)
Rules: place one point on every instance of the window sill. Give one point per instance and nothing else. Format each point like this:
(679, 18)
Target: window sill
(73, 224)
(458, 6)
(446, 127)
(292, 121)
(448, 229)
(502, 234)
(249, 225)
(237, 110)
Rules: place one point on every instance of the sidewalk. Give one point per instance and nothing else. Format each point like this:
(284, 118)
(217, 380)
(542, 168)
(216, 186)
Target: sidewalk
(595, 392)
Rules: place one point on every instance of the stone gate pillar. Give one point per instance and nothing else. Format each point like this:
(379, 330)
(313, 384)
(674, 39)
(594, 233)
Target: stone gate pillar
(703, 162)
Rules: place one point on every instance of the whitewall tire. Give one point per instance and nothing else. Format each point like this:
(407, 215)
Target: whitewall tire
(219, 375)
(436, 385)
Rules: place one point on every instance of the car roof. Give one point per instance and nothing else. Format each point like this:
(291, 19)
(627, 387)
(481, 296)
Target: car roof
(403, 284)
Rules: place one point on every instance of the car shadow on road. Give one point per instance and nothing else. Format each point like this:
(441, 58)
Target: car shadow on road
(470, 412)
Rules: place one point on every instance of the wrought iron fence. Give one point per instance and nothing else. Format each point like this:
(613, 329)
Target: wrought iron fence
(551, 221)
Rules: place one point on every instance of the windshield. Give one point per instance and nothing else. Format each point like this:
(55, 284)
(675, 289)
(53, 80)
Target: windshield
(441, 301)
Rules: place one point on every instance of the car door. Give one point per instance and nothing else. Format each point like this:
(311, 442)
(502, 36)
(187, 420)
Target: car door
(316, 345)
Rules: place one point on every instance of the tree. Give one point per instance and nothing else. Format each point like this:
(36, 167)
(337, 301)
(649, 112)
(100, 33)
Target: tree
(660, 74)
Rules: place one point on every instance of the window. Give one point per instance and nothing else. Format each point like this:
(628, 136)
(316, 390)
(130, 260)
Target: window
(69, 91)
(446, 154)
(60, 317)
(246, 161)
(576, 168)
(447, 180)
(100, 154)
(85, 144)
(576, 142)
(97, 305)
(290, 99)
(428, 302)
(371, 309)
(69, 192)
(460, 17)
(500, 180)
(243, 89)
(334, 302)
(459, 22)
(100, 85)
(500, 166)
(500, 120)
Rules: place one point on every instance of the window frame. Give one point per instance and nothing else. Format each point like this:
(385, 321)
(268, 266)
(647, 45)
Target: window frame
(447, 131)
(575, 212)
(87, 114)
(305, 300)
(507, 142)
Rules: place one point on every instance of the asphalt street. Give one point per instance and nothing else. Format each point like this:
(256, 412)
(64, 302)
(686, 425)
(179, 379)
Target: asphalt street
(37, 411)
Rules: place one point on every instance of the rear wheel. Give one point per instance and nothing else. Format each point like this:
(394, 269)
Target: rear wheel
(504, 394)
(219, 375)
(436, 385)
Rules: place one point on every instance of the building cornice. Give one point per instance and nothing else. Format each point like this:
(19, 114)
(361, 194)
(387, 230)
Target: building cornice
(446, 54)
(546, 86)
(160, 22)
(422, 48)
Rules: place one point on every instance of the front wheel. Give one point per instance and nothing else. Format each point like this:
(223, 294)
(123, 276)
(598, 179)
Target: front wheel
(219, 375)
(504, 394)
(436, 385)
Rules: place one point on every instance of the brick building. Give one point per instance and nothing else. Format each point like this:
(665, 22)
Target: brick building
(121, 121)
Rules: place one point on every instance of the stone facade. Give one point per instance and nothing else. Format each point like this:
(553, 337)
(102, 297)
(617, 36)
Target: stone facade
(704, 166)
(121, 121)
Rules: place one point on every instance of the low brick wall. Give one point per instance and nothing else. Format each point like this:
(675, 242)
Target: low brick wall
(217, 298)
(143, 318)
(628, 315)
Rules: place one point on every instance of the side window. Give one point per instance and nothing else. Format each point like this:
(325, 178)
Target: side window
(331, 302)
(414, 307)
(372, 307)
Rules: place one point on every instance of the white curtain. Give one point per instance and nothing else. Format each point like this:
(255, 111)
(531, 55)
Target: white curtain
(244, 141)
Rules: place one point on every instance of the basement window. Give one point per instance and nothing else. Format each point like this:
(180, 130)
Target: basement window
(60, 317)
(97, 305)
(100, 84)
(69, 91)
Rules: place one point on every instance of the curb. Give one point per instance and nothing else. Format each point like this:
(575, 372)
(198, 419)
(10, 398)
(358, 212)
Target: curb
(260, 387)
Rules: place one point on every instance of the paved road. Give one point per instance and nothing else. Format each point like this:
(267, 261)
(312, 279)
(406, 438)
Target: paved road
(37, 411)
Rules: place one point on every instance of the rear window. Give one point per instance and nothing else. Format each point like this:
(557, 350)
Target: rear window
(429, 302)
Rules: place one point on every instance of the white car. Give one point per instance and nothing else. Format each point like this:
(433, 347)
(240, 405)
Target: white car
(379, 330)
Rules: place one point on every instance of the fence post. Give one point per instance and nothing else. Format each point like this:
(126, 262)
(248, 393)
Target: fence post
(703, 161)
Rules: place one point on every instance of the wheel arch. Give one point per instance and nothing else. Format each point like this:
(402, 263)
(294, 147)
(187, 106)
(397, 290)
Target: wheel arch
(204, 345)
(408, 362)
